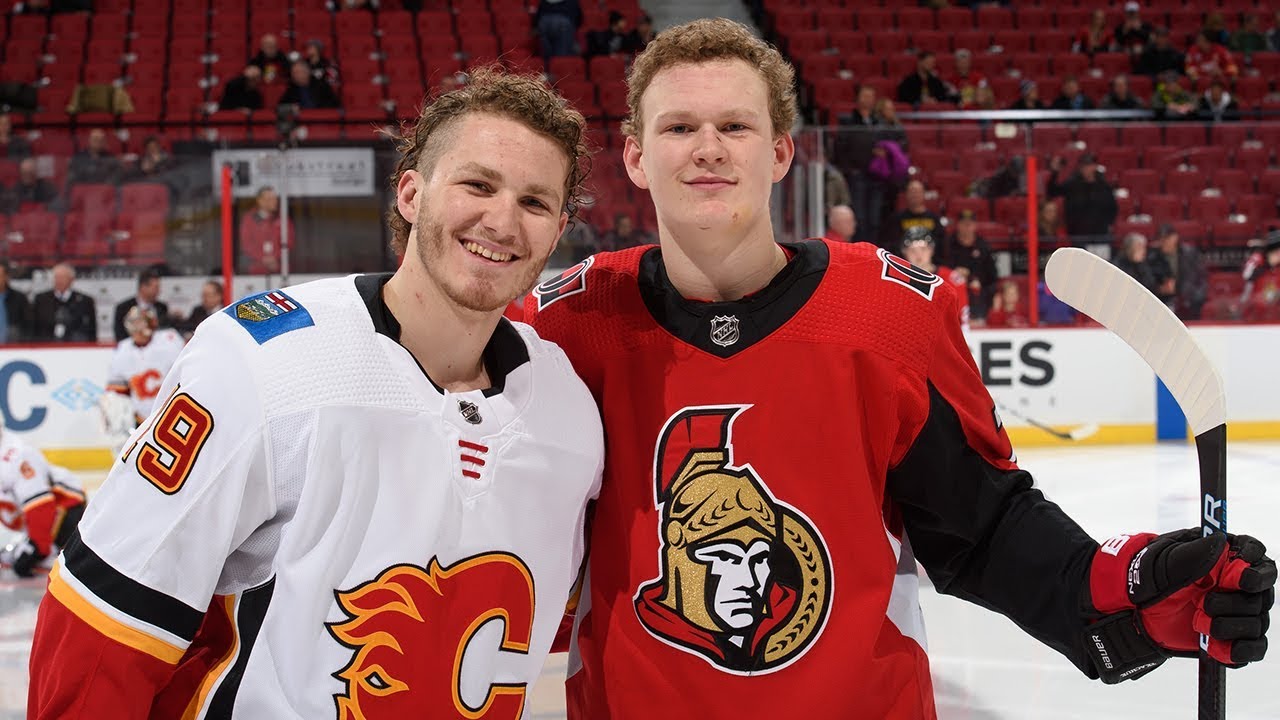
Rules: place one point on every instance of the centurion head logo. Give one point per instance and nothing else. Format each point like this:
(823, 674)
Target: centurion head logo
(745, 579)
(410, 628)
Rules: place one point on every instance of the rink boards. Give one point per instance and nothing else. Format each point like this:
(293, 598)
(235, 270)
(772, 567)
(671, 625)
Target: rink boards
(1064, 378)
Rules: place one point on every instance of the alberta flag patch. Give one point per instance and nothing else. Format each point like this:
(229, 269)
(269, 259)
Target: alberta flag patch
(269, 314)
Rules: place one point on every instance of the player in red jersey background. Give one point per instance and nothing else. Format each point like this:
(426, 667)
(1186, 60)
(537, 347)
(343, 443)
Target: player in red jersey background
(789, 427)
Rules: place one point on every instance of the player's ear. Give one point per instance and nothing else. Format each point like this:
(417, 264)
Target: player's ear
(631, 154)
(784, 151)
(408, 194)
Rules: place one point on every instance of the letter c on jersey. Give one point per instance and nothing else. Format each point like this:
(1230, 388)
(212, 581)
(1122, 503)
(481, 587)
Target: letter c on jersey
(411, 628)
(36, 377)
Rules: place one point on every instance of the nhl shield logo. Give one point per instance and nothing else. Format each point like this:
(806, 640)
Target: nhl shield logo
(470, 412)
(724, 330)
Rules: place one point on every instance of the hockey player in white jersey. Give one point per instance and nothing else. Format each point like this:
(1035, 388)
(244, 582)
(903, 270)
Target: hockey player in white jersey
(359, 497)
(45, 502)
(138, 366)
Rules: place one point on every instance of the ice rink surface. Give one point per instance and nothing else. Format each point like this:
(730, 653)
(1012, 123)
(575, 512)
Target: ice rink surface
(984, 668)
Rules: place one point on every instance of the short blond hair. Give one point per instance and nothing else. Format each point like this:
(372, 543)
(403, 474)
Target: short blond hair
(491, 90)
(707, 40)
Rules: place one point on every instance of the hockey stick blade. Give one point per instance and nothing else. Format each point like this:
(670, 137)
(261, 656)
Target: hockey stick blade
(1105, 293)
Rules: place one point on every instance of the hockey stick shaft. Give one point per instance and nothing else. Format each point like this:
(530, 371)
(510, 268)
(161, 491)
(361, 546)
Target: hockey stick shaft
(1211, 447)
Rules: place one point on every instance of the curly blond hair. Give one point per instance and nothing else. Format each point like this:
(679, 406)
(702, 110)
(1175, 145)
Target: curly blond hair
(493, 90)
(702, 41)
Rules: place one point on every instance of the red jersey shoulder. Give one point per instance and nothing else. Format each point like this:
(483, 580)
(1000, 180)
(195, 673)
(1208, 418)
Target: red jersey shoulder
(589, 283)
(874, 300)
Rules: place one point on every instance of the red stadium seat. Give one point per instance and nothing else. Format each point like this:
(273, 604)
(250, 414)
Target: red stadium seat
(915, 19)
(889, 43)
(1232, 182)
(1011, 211)
(1209, 208)
(1184, 183)
(930, 160)
(144, 197)
(87, 197)
(1140, 182)
(954, 19)
(1099, 136)
(851, 45)
(1012, 41)
(85, 235)
(959, 139)
(935, 41)
(1186, 134)
(1192, 232)
(976, 41)
(1070, 64)
(948, 183)
(1250, 90)
(836, 19)
(141, 237)
(1035, 19)
(1256, 207)
(980, 207)
(35, 236)
(1253, 159)
(991, 17)
(1162, 158)
(1163, 208)
(873, 20)
(789, 19)
(1232, 233)
(1053, 42)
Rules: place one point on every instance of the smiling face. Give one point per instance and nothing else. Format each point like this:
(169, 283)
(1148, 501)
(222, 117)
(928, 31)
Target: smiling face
(489, 214)
(708, 154)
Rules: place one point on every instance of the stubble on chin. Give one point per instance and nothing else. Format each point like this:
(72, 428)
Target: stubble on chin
(478, 294)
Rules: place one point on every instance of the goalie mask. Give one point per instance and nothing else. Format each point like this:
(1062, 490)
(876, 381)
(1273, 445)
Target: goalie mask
(140, 324)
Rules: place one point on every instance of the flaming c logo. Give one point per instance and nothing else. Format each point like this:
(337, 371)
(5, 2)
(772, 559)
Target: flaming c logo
(410, 627)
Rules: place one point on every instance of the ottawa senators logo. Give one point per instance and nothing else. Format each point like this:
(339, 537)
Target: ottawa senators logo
(411, 628)
(569, 282)
(904, 273)
(745, 579)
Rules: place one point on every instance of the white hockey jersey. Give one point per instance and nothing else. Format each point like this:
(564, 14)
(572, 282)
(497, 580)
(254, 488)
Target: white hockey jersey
(309, 528)
(139, 371)
(29, 484)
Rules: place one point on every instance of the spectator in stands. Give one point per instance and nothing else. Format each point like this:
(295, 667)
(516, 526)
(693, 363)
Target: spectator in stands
(153, 162)
(1273, 35)
(63, 314)
(260, 234)
(984, 98)
(29, 190)
(577, 243)
(913, 215)
(890, 165)
(1072, 98)
(243, 92)
(853, 142)
(1261, 298)
(1249, 39)
(841, 224)
(642, 35)
(1049, 221)
(1207, 58)
(95, 163)
(1121, 97)
(306, 90)
(270, 59)
(624, 234)
(835, 189)
(1171, 101)
(1088, 199)
(1052, 311)
(614, 39)
(322, 68)
(1133, 261)
(1094, 37)
(210, 303)
(967, 249)
(964, 83)
(1007, 307)
(1215, 28)
(15, 310)
(1028, 97)
(1183, 278)
(1160, 56)
(147, 298)
(924, 85)
(1217, 105)
(14, 147)
(1133, 33)
(557, 22)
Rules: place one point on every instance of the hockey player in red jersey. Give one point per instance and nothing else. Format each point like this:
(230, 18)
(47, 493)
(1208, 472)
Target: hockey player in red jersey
(789, 427)
(349, 480)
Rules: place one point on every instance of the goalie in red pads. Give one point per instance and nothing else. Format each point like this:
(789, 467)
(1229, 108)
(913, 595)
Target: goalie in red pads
(791, 426)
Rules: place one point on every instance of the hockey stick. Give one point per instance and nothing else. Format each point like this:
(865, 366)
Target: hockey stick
(1102, 291)
(1074, 434)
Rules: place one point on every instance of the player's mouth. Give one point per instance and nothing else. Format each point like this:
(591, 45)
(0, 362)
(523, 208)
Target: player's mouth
(710, 182)
(489, 254)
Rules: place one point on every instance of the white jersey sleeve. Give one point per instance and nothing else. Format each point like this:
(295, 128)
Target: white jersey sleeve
(119, 369)
(190, 488)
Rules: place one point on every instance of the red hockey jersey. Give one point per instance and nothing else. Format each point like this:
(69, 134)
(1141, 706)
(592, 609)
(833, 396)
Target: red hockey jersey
(747, 553)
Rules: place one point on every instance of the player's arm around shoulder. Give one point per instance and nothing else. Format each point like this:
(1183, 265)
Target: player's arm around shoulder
(129, 592)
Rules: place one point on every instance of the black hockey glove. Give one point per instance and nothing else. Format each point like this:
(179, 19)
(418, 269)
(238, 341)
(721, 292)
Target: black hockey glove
(26, 559)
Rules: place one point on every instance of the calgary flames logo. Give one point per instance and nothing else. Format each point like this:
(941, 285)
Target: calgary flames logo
(745, 579)
(402, 624)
